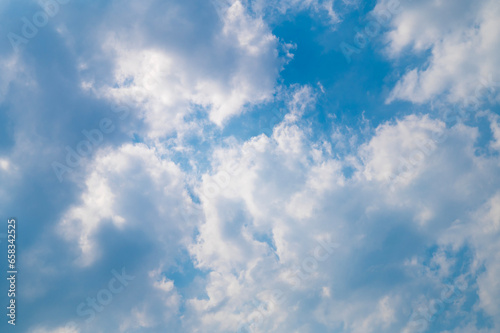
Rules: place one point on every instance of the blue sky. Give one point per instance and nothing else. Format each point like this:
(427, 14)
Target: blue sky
(251, 165)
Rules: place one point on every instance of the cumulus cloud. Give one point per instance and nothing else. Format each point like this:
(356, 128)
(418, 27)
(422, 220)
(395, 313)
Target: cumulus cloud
(461, 39)
(281, 198)
(287, 239)
(295, 230)
(397, 150)
(480, 229)
(231, 62)
(128, 188)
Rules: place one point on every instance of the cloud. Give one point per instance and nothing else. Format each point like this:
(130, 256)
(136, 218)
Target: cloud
(458, 40)
(128, 188)
(324, 9)
(231, 62)
(281, 198)
(286, 239)
(294, 230)
(57, 330)
(397, 150)
(480, 229)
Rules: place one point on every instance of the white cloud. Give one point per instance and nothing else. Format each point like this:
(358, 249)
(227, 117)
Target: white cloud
(462, 38)
(287, 240)
(128, 187)
(278, 8)
(271, 213)
(399, 150)
(231, 62)
(482, 230)
(495, 129)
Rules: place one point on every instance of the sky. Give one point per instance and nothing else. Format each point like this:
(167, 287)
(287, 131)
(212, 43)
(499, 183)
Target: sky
(250, 165)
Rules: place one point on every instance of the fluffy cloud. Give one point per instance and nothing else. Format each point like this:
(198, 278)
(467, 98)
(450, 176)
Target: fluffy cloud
(481, 229)
(232, 61)
(129, 188)
(295, 231)
(397, 150)
(294, 244)
(290, 241)
(462, 40)
(134, 212)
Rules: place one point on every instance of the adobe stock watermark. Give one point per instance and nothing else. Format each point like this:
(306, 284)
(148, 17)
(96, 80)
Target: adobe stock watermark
(310, 264)
(427, 313)
(263, 309)
(93, 139)
(103, 297)
(377, 20)
(30, 27)
(308, 267)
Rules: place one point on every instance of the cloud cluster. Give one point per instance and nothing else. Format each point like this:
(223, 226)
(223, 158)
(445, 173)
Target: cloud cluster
(129, 188)
(458, 42)
(288, 240)
(231, 62)
(286, 194)
(383, 229)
